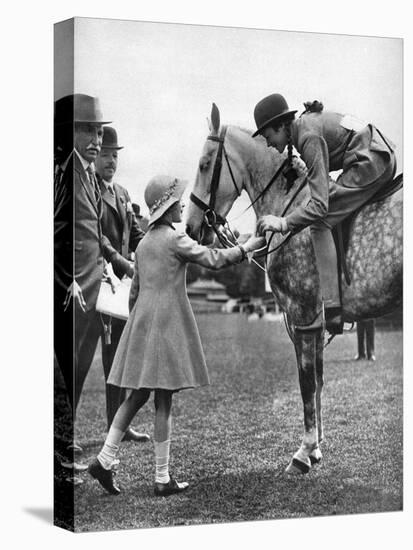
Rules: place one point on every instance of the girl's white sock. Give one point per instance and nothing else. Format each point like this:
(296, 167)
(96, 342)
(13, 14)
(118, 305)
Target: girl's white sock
(162, 461)
(111, 447)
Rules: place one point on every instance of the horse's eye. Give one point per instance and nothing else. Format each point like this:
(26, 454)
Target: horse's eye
(204, 163)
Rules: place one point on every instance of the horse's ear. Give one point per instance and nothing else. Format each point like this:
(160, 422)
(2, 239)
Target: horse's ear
(215, 118)
(209, 123)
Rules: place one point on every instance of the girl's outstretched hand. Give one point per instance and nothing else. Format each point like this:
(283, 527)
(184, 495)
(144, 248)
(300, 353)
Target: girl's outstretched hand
(254, 243)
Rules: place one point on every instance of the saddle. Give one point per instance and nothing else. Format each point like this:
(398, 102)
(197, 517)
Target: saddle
(341, 232)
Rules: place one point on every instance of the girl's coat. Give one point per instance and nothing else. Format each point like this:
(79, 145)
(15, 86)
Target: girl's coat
(160, 346)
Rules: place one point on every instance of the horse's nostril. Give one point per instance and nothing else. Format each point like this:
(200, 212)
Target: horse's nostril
(187, 230)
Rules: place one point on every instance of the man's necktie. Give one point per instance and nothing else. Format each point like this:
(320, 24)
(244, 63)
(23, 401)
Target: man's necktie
(93, 183)
(59, 190)
(58, 172)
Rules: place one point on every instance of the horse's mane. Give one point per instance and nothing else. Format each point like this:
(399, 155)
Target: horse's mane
(264, 159)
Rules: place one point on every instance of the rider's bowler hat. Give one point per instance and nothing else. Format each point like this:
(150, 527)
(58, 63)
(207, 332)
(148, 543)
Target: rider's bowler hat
(273, 109)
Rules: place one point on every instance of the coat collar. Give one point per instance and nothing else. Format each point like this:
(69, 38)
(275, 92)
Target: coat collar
(118, 202)
(161, 221)
(83, 162)
(121, 202)
(107, 195)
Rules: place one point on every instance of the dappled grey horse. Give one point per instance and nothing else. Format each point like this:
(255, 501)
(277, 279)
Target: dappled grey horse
(232, 161)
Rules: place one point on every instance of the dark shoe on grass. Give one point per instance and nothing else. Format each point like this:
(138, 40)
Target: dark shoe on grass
(170, 488)
(75, 448)
(75, 481)
(105, 477)
(132, 435)
(75, 466)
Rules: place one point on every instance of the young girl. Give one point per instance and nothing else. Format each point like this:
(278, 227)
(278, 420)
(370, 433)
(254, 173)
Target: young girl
(326, 141)
(160, 349)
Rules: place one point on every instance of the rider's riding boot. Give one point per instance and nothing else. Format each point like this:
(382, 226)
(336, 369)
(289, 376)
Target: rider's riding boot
(334, 320)
(326, 257)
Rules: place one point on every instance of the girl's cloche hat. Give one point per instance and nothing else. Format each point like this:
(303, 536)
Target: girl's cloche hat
(161, 193)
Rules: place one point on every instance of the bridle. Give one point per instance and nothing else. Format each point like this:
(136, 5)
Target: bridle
(214, 220)
(211, 217)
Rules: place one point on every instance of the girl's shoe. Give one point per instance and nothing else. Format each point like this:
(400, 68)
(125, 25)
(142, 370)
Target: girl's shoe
(170, 488)
(105, 477)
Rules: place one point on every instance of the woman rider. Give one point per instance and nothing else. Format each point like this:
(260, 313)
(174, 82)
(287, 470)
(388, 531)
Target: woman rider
(326, 141)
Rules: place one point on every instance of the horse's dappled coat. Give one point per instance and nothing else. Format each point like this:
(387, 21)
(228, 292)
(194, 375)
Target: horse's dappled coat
(374, 259)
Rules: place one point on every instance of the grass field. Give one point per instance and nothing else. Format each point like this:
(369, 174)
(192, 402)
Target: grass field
(232, 440)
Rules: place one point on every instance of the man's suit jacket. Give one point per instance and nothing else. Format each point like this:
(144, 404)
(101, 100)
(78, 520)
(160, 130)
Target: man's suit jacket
(120, 227)
(78, 242)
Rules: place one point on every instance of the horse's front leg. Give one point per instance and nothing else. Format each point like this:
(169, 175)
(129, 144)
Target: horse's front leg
(316, 456)
(307, 347)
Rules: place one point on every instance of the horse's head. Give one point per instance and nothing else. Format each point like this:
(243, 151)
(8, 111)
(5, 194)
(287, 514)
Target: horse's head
(219, 180)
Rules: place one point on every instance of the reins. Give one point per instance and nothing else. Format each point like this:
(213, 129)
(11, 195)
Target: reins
(283, 213)
(214, 220)
(272, 180)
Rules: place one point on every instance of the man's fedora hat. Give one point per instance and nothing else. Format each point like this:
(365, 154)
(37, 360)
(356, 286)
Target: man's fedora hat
(78, 108)
(161, 193)
(110, 138)
(273, 109)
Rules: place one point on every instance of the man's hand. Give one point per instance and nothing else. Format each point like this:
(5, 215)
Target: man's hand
(74, 291)
(271, 223)
(110, 277)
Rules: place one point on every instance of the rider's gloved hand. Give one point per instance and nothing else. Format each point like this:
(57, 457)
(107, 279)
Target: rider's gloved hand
(271, 223)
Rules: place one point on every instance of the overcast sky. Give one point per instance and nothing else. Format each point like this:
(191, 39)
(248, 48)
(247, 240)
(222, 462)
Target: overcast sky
(157, 81)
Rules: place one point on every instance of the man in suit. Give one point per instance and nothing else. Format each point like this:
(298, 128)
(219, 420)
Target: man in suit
(120, 226)
(79, 246)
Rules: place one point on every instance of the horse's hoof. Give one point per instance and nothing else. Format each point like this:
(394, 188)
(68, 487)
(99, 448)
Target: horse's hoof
(297, 467)
(316, 457)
